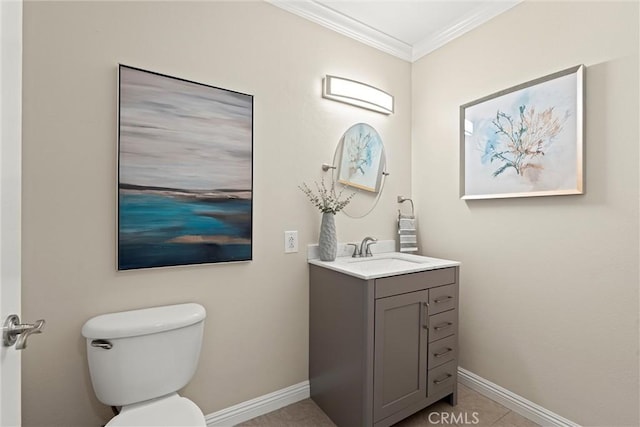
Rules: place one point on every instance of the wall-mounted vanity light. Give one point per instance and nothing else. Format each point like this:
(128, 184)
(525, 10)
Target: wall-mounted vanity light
(355, 93)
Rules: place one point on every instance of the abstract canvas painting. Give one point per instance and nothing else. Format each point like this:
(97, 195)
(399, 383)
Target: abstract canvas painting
(525, 141)
(360, 164)
(184, 172)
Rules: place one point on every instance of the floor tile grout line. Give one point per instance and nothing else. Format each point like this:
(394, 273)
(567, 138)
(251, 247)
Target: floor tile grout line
(508, 412)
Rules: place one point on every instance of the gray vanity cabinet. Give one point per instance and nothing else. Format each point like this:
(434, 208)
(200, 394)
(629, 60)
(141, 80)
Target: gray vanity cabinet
(382, 349)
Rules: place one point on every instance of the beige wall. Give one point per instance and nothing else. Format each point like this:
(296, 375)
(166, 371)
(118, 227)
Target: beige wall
(549, 286)
(256, 329)
(549, 312)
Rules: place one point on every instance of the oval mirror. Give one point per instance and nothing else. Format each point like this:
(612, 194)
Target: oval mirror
(359, 165)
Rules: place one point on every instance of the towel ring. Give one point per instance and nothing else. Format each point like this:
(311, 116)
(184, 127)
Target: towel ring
(402, 199)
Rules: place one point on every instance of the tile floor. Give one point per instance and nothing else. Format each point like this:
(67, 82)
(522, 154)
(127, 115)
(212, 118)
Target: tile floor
(487, 413)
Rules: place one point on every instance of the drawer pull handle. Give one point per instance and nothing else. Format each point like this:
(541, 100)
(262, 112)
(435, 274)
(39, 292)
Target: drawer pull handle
(443, 299)
(442, 326)
(442, 353)
(438, 382)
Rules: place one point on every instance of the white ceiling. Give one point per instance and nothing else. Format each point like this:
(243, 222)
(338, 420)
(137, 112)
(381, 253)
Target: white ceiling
(408, 29)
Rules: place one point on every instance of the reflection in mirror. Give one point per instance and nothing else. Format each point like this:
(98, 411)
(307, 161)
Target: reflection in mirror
(360, 164)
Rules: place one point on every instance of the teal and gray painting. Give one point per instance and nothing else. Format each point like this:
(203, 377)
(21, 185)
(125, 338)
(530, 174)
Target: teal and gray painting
(185, 172)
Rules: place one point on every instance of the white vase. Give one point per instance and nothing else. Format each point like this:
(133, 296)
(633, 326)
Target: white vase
(328, 242)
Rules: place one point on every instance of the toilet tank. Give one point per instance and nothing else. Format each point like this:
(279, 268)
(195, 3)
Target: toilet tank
(143, 354)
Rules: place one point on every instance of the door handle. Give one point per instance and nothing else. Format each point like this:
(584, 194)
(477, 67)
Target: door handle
(425, 322)
(14, 332)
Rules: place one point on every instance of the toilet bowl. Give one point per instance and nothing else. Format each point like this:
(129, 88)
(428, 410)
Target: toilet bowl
(139, 359)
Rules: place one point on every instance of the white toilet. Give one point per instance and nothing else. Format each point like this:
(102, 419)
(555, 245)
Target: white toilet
(139, 359)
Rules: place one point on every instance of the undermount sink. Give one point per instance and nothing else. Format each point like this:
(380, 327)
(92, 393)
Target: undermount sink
(384, 264)
(390, 260)
(381, 265)
(391, 256)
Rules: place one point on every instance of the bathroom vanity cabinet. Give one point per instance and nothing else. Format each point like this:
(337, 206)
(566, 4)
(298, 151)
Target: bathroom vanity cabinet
(382, 349)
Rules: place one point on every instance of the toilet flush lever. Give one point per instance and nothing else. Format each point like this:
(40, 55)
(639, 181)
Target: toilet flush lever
(14, 332)
(104, 344)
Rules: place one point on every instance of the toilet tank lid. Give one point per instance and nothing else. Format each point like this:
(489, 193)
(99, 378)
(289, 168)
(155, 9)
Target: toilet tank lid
(144, 321)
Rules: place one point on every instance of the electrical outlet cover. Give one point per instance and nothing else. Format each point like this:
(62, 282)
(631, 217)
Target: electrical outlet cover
(290, 241)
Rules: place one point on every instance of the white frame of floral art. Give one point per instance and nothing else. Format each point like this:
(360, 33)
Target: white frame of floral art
(525, 141)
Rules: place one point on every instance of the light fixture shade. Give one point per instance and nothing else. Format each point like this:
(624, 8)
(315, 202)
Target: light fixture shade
(355, 93)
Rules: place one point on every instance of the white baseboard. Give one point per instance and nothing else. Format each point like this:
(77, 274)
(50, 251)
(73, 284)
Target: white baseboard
(259, 406)
(270, 402)
(508, 399)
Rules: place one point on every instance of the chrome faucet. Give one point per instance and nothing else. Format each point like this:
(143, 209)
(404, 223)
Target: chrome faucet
(365, 246)
(356, 250)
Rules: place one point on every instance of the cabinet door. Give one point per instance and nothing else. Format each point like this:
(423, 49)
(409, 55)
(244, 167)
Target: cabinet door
(400, 358)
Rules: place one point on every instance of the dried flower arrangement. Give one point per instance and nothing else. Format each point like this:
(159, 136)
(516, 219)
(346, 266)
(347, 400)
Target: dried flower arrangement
(326, 200)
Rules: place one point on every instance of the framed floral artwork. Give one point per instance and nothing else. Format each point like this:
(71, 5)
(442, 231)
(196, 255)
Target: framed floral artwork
(361, 161)
(526, 140)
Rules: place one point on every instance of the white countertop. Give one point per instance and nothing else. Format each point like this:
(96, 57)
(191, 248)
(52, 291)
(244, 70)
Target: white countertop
(383, 264)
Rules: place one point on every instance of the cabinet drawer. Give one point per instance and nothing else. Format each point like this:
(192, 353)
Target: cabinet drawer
(442, 298)
(442, 378)
(442, 351)
(394, 285)
(442, 325)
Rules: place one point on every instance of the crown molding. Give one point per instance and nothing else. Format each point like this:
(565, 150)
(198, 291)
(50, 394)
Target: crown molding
(461, 27)
(336, 21)
(345, 25)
